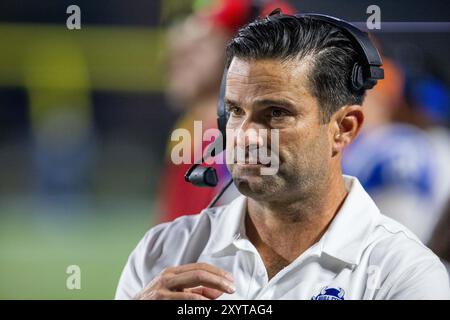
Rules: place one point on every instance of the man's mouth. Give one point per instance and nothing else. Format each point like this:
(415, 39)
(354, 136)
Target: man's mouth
(251, 164)
(248, 161)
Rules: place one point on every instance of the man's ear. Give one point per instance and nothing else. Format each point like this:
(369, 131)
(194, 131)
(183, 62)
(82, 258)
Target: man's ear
(346, 124)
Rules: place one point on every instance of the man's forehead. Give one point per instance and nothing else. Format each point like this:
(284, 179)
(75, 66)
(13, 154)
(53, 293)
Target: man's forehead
(268, 73)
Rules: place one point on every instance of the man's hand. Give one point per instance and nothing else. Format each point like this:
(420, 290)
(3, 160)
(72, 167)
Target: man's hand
(194, 281)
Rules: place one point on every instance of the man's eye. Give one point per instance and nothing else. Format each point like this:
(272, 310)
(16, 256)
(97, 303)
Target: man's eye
(277, 113)
(236, 111)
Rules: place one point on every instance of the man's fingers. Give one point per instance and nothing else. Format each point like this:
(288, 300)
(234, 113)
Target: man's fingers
(192, 281)
(169, 295)
(197, 278)
(206, 292)
(202, 266)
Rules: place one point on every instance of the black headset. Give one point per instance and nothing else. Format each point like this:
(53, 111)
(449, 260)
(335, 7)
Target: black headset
(365, 73)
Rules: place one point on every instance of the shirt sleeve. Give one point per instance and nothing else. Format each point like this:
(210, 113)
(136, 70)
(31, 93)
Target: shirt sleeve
(129, 283)
(425, 281)
(132, 278)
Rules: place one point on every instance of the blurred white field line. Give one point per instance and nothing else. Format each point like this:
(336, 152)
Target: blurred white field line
(119, 58)
(407, 27)
(375, 23)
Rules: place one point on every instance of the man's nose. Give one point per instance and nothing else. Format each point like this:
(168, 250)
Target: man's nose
(249, 135)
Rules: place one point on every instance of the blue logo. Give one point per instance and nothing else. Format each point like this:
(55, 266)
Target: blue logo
(330, 294)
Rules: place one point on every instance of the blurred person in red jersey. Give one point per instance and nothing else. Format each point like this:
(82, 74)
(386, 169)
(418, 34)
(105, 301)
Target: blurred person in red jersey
(196, 54)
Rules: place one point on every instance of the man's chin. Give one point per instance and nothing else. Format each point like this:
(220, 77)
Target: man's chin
(253, 186)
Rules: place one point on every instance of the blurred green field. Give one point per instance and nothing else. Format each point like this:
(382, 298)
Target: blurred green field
(38, 243)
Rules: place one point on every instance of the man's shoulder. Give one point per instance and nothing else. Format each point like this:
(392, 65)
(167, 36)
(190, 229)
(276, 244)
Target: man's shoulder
(392, 240)
(397, 264)
(407, 268)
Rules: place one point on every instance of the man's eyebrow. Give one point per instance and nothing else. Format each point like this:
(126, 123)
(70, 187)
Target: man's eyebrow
(263, 102)
(230, 103)
(275, 102)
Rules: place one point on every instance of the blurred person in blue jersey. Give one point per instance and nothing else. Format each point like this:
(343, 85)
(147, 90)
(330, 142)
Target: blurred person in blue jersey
(399, 163)
(428, 99)
(63, 133)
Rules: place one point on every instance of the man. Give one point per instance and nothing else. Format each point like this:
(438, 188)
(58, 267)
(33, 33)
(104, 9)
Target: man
(306, 232)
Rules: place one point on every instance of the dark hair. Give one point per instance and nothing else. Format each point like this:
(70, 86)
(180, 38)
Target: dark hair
(287, 37)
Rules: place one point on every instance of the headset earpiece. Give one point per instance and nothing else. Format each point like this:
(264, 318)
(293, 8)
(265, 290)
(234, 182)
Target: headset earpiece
(357, 77)
(367, 71)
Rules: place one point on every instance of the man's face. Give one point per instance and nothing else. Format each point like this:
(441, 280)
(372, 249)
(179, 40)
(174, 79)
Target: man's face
(271, 94)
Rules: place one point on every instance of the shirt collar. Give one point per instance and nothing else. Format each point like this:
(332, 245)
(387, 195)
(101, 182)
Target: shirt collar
(344, 239)
(228, 227)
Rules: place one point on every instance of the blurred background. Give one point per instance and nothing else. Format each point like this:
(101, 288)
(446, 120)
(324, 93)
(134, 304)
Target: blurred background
(86, 117)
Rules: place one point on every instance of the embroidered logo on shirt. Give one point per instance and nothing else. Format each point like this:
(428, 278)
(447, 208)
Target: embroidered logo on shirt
(330, 294)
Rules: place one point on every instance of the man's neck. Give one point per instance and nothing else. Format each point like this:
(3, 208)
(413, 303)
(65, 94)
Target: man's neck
(282, 232)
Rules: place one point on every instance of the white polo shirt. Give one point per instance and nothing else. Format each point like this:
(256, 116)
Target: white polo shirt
(362, 255)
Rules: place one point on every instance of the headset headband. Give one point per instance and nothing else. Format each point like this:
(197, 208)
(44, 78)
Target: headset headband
(358, 37)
